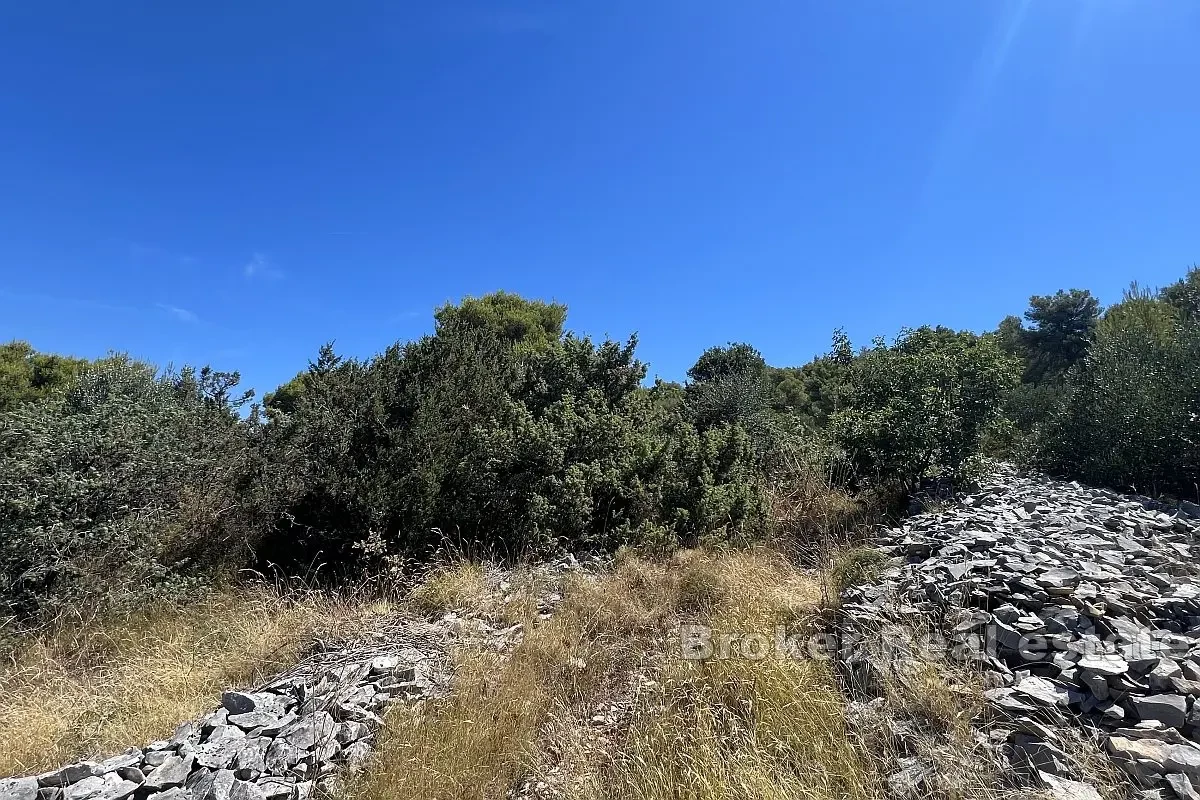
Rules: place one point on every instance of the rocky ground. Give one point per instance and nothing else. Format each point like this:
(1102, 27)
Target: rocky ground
(1078, 612)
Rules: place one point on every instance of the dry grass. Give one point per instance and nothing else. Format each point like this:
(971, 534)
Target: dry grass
(455, 587)
(737, 728)
(772, 727)
(466, 587)
(485, 737)
(765, 729)
(93, 688)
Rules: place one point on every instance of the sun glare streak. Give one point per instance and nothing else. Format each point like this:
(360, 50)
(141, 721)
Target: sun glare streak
(988, 66)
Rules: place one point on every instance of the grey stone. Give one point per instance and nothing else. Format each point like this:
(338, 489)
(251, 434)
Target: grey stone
(218, 754)
(1147, 758)
(1169, 709)
(187, 733)
(348, 732)
(251, 756)
(132, 774)
(1061, 788)
(238, 703)
(274, 788)
(307, 732)
(1107, 666)
(1043, 690)
(173, 771)
(1039, 755)
(101, 787)
(207, 785)
(255, 719)
(281, 756)
(130, 758)
(247, 702)
(1182, 787)
(1088, 602)
(244, 790)
(18, 789)
(384, 665)
(223, 733)
(73, 773)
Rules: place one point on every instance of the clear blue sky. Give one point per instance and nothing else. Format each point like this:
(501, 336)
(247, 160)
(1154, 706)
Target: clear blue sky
(238, 182)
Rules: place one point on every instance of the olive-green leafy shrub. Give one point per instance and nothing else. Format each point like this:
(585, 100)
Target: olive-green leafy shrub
(1130, 416)
(126, 485)
(923, 403)
(27, 375)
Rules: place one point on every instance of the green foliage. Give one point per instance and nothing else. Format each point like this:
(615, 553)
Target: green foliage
(125, 485)
(727, 386)
(1011, 336)
(500, 432)
(1184, 295)
(1131, 414)
(27, 375)
(735, 360)
(286, 398)
(503, 432)
(924, 402)
(531, 323)
(1063, 326)
(853, 567)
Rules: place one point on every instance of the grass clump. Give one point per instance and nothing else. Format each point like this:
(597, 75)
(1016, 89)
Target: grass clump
(854, 566)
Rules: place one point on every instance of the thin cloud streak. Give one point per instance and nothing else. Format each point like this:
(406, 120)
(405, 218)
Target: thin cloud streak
(181, 314)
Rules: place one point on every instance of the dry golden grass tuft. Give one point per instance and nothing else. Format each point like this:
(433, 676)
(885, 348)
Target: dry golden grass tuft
(749, 729)
(478, 589)
(91, 688)
(459, 586)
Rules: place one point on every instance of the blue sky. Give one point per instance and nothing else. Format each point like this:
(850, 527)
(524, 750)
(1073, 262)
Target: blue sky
(237, 182)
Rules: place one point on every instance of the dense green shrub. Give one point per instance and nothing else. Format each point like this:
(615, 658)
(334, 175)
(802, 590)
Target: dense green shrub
(1131, 414)
(498, 431)
(923, 403)
(126, 485)
(503, 432)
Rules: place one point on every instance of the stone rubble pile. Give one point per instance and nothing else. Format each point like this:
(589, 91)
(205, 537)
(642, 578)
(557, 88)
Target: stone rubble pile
(1080, 605)
(277, 742)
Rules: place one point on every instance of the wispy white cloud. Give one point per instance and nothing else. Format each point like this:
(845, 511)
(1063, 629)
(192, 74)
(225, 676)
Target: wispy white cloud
(260, 266)
(181, 314)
